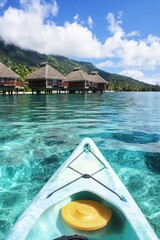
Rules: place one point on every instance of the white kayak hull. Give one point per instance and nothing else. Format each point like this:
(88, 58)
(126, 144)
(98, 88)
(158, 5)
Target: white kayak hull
(84, 175)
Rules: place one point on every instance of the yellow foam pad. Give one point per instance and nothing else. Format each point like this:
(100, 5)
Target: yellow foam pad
(86, 214)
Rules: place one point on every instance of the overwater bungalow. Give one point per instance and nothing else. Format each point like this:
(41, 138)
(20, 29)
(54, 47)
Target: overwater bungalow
(9, 81)
(45, 78)
(77, 81)
(98, 83)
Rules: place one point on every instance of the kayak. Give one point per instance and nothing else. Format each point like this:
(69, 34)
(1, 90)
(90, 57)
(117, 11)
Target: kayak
(84, 199)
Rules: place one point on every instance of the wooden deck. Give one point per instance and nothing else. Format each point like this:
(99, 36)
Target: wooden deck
(11, 86)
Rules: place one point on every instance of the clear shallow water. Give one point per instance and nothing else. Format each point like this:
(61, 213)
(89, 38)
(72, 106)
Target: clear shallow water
(38, 132)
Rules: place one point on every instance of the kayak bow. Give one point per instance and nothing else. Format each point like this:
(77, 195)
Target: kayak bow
(60, 207)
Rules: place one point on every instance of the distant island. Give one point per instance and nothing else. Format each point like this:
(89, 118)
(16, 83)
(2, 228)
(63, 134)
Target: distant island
(23, 62)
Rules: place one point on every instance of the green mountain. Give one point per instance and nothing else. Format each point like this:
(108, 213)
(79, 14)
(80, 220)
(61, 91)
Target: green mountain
(25, 61)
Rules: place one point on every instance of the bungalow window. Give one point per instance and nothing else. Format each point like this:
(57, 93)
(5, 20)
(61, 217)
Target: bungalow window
(49, 82)
(87, 84)
(54, 82)
(2, 80)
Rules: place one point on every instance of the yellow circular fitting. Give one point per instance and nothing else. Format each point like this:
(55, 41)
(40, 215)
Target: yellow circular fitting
(86, 215)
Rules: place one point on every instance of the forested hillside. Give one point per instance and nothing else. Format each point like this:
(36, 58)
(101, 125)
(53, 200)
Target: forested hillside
(25, 61)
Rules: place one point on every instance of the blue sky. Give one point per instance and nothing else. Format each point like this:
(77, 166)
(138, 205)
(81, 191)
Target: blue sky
(118, 36)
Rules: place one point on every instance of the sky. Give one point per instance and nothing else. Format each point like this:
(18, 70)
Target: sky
(117, 36)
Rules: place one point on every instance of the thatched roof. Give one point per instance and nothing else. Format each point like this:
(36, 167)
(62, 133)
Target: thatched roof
(77, 75)
(95, 77)
(44, 72)
(7, 73)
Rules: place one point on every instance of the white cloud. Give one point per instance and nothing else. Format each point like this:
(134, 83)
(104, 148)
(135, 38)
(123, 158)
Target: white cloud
(154, 79)
(136, 74)
(54, 9)
(27, 28)
(142, 53)
(120, 15)
(152, 39)
(132, 73)
(90, 22)
(114, 26)
(72, 35)
(43, 9)
(132, 34)
(76, 17)
(105, 64)
(2, 3)
(66, 40)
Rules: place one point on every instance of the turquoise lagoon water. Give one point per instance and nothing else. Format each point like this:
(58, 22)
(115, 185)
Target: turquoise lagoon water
(38, 132)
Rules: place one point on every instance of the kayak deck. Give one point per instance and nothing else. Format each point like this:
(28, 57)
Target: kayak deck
(84, 175)
(118, 227)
